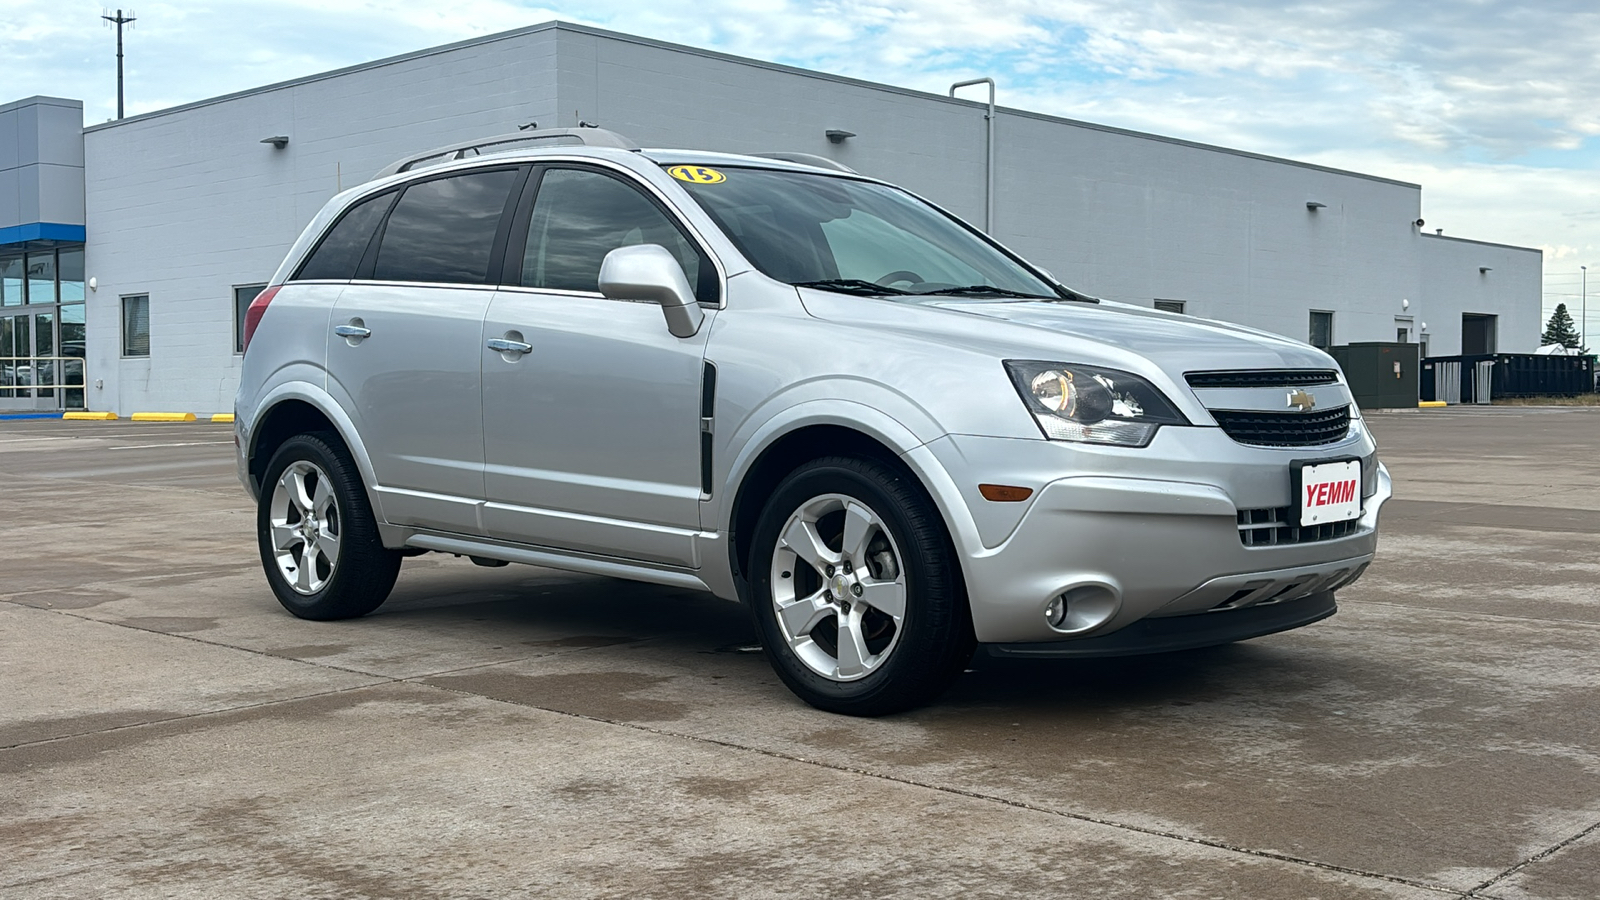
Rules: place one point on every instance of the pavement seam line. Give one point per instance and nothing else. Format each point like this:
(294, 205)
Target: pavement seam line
(962, 792)
(197, 715)
(1537, 857)
(1474, 613)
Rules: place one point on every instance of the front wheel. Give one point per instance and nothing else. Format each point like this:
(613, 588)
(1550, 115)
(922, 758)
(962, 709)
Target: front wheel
(857, 595)
(318, 537)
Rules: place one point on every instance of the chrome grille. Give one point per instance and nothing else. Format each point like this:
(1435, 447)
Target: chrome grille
(1275, 526)
(1261, 378)
(1278, 429)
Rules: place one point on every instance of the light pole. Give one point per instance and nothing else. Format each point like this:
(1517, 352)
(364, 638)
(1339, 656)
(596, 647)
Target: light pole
(1584, 326)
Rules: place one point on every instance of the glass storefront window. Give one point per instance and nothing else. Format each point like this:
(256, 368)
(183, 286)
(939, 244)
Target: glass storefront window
(41, 276)
(74, 341)
(11, 280)
(70, 265)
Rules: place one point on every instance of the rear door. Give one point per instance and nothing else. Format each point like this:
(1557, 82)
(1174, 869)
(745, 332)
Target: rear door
(404, 356)
(592, 432)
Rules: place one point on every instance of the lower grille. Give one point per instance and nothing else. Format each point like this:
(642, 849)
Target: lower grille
(1276, 526)
(1284, 429)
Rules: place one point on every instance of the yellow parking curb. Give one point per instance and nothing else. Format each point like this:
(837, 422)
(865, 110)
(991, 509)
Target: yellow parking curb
(1431, 404)
(80, 416)
(221, 418)
(163, 417)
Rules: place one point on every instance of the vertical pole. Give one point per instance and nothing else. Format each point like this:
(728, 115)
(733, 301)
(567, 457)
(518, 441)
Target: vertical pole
(119, 20)
(1583, 329)
(119, 63)
(988, 163)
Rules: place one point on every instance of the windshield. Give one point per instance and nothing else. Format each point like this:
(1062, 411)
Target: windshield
(853, 236)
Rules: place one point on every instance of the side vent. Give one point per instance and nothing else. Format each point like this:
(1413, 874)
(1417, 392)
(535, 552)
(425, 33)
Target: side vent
(708, 406)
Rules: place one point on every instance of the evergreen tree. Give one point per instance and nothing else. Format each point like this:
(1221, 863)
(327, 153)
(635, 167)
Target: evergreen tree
(1560, 330)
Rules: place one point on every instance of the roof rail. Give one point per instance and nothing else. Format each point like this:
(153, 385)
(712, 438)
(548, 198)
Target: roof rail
(506, 143)
(807, 159)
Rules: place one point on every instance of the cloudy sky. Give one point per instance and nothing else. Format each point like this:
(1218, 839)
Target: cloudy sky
(1492, 105)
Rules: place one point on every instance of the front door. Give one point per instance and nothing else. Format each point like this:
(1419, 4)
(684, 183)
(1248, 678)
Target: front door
(591, 419)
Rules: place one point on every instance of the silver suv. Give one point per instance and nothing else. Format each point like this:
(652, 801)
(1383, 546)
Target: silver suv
(791, 386)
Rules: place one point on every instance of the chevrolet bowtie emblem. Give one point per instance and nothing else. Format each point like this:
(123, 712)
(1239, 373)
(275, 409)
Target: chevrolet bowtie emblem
(1302, 400)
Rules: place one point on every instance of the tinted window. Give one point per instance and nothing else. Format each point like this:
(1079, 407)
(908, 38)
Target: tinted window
(443, 230)
(341, 251)
(580, 216)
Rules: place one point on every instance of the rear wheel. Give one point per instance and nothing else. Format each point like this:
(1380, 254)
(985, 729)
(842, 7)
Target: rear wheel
(857, 595)
(317, 534)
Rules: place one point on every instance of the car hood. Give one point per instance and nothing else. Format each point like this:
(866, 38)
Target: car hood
(1176, 343)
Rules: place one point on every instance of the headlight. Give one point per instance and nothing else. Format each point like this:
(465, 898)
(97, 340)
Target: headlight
(1085, 403)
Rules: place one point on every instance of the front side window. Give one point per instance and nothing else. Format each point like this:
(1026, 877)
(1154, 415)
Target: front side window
(804, 228)
(443, 231)
(339, 254)
(71, 271)
(136, 325)
(242, 295)
(581, 215)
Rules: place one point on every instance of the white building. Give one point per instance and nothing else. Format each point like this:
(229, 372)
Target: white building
(187, 210)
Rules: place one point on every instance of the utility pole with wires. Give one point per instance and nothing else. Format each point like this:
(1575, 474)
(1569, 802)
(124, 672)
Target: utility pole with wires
(119, 20)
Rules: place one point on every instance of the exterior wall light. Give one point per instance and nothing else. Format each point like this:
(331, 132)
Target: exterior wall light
(1314, 205)
(1484, 270)
(838, 135)
(278, 141)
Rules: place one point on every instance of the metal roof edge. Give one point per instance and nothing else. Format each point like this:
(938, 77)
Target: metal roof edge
(1446, 237)
(41, 100)
(333, 73)
(911, 92)
(559, 26)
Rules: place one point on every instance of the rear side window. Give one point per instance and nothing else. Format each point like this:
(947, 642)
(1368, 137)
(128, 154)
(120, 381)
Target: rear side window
(340, 253)
(580, 215)
(444, 230)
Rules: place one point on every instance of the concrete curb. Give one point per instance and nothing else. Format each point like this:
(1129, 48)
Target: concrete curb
(1431, 404)
(162, 417)
(85, 416)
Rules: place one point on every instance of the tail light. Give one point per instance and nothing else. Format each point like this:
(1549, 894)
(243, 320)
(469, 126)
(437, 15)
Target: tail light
(258, 306)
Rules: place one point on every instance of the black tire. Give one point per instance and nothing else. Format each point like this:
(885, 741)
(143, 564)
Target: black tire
(363, 570)
(933, 640)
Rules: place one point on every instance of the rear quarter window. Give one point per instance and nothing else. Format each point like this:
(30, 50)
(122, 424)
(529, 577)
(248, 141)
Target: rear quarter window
(339, 254)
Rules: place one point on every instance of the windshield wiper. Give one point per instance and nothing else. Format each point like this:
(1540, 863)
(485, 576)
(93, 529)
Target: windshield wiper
(851, 286)
(987, 289)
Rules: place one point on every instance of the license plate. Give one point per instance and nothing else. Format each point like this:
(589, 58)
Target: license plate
(1330, 492)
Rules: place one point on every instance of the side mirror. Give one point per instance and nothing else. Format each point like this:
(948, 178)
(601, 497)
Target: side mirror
(648, 273)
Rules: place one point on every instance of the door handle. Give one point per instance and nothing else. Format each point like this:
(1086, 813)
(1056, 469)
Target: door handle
(355, 332)
(508, 346)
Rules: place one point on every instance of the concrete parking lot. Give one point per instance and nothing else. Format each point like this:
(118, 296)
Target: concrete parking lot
(166, 730)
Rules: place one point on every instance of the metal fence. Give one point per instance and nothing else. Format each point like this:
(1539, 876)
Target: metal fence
(41, 378)
(1478, 378)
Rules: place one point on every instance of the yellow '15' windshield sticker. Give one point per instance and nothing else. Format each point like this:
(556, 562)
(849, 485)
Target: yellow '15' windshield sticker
(697, 174)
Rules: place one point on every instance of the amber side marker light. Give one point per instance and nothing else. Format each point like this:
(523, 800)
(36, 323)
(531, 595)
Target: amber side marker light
(1004, 493)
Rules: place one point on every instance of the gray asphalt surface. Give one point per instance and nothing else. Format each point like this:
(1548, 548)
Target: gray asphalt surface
(166, 730)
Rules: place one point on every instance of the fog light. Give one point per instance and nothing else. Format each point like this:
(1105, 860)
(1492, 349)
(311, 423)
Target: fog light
(1082, 608)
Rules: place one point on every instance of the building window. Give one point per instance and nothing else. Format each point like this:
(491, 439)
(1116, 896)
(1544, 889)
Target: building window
(11, 280)
(1321, 329)
(136, 325)
(69, 268)
(242, 295)
(42, 277)
(1172, 306)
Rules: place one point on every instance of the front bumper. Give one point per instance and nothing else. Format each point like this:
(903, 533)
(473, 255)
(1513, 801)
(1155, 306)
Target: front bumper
(1142, 534)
